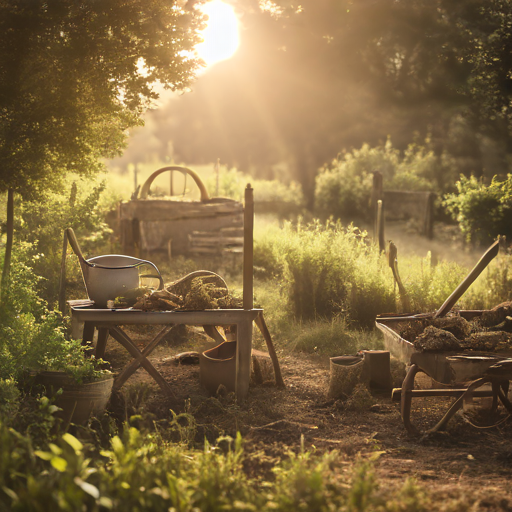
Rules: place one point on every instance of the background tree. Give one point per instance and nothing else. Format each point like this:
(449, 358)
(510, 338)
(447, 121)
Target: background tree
(310, 80)
(75, 75)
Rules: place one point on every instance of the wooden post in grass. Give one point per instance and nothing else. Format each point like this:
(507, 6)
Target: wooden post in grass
(393, 263)
(428, 226)
(380, 225)
(377, 195)
(248, 300)
(62, 283)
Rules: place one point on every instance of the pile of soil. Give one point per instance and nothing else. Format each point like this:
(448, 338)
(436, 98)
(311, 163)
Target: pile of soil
(489, 332)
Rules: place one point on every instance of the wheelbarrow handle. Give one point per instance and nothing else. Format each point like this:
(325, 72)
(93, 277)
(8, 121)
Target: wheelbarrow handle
(488, 256)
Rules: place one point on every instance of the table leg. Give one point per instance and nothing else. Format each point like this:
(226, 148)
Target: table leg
(88, 334)
(243, 359)
(132, 367)
(101, 344)
(128, 344)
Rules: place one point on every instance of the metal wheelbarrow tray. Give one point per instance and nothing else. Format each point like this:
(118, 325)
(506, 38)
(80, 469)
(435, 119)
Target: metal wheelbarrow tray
(463, 374)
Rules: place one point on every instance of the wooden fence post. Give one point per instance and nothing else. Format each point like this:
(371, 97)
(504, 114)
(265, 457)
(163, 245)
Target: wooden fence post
(380, 225)
(428, 226)
(377, 195)
(248, 298)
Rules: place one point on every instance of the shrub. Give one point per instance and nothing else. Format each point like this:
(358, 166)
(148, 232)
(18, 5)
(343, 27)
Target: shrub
(31, 336)
(326, 271)
(41, 223)
(483, 212)
(343, 188)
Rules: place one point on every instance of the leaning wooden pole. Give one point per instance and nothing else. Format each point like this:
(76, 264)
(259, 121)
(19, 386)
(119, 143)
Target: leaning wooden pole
(10, 236)
(248, 296)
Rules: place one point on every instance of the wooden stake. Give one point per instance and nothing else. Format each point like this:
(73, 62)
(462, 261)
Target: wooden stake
(248, 299)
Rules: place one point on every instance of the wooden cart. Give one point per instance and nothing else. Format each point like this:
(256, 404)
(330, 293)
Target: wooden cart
(464, 375)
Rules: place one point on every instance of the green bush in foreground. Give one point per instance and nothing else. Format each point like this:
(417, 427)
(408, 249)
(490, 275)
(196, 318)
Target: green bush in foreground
(141, 472)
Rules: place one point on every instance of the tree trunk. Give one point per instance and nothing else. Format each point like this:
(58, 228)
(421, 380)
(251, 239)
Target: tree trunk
(10, 235)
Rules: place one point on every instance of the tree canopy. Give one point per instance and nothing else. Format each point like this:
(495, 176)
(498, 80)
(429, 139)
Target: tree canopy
(75, 75)
(313, 78)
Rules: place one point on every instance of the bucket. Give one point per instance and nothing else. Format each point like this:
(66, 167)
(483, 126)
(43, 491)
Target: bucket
(345, 373)
(217, 366)
(77, 401)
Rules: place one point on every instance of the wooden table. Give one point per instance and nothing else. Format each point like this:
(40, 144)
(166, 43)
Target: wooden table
(108, 322)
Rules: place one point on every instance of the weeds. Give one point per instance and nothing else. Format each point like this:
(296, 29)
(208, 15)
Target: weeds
(327, 271)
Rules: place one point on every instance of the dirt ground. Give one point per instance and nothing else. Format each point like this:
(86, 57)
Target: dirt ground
(463, 460)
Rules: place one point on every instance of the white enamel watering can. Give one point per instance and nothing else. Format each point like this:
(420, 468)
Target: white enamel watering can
(112, 275)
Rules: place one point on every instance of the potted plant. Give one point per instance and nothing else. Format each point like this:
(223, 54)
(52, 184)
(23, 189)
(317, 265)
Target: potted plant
(34, 350)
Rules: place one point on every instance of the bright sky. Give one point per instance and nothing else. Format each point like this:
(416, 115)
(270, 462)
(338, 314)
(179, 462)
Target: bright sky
(221, 33)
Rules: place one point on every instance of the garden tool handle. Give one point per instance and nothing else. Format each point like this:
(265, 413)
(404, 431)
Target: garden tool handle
(74, 243)
(488, 256)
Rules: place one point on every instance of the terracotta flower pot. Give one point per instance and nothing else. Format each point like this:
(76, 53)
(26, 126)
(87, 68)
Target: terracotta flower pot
(218, 366)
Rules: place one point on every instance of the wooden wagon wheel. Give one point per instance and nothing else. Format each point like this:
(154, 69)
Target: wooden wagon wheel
(500, 385)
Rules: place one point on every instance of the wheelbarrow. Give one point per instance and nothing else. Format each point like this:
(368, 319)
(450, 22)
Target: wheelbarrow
(463, 375)
(109, 276)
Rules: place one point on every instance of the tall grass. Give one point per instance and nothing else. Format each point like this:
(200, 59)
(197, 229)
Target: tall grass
(326, 271)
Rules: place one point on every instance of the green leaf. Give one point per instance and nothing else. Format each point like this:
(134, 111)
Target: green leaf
(59, 464)
(90, 489)
(10, 493)
(73, 442)
(55, 449)
(43, 455)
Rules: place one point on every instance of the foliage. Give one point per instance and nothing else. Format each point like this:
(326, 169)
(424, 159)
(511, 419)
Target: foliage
(141, 471)
(483, 212)
(41, 223)
(494, 285)
(343, 188)
(76, 76)
(9, 397)
(232, 183)
(309, 80)
(331, 338)
(32, 337)
(327, 271)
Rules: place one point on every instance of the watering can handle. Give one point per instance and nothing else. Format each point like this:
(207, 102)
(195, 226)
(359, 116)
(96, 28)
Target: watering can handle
(74, 243)
(155, 276)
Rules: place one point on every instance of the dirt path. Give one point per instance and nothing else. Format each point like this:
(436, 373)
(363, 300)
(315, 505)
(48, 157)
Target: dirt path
(463, 461)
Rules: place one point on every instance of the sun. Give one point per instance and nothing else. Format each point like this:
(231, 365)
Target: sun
(220, 37)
